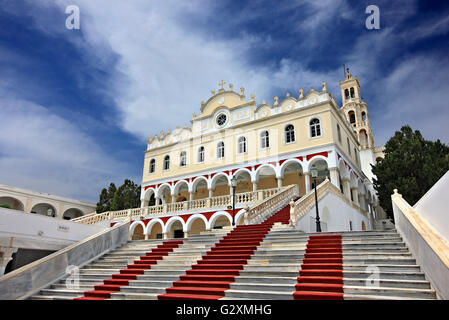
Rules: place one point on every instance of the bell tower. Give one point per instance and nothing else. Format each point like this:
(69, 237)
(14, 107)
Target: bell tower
(356, 111)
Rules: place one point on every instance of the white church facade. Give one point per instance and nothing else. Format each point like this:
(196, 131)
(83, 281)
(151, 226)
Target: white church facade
(260, 149)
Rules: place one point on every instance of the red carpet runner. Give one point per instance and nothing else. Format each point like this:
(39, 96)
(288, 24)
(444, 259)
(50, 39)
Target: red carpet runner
(213, 274)
(321, 275)
(104, 291)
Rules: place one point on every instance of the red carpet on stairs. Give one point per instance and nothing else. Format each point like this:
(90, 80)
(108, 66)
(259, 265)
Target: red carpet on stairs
(212, 275)
(118, 280)
(321, 275)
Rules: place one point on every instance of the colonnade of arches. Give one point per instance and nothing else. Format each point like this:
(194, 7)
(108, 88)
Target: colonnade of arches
(42, 208)
(179, 227)
(265, 176)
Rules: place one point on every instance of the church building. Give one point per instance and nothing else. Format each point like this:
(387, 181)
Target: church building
(256, 149)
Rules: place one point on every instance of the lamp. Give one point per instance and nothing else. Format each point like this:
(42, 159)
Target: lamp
(233, 185)
(314, 172)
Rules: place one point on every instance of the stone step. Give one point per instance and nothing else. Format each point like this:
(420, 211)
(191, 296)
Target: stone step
(386, 283)
(397, 292)
(137, 289)
(133, 296)
(264, 287)
(49, 297)
(266, 279)
(258, 295)
(383, 267)
(62, 292)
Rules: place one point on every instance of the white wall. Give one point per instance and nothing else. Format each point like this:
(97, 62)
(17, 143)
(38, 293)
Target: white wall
(366, 159)
(19, 229)
(335, 215)
(433, 206)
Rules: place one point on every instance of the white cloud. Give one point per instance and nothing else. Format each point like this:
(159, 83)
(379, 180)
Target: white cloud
(44, 152)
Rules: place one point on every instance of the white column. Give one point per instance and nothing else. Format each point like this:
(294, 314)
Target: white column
(346, 188)
(173, 199)
(307, 180)
(334, 177)
(254, 186)
(279, 182)
(157, 201)
(355, 196)
(191, 196)
(6, 256)
(211, 193)
(165, 235)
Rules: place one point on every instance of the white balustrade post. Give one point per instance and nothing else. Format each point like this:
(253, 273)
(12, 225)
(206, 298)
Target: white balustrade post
(334, 177)
(279, 182)
(129, 215)
(307, 181)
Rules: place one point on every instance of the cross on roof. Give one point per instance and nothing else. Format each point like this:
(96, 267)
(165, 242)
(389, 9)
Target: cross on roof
(221, 84)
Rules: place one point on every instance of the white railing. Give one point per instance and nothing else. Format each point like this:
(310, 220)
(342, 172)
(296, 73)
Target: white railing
(206, 203)
(303, 205)
(270, 205)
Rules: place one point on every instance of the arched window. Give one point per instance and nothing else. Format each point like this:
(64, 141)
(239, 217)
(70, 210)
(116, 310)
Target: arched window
(315, 128)
(347, 94)
(355, 155)
(242, 145)
(167, 162)
(183, 159)
(289, 134)
(364, 118)
(220, 150)
(349, 146)
(339, 132)
(351, 117)
(201, 154)
(264, 139)
(152, 165)
(352, 93)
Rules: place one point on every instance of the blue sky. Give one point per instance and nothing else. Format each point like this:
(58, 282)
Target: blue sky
(77, 105)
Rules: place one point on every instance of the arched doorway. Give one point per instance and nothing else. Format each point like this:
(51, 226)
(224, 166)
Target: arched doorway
(220, 185)
(199, 189)
(323, 171)
(266, 177)
(181, 191)
(155, 231)
(11, 203)
(176, 230)
(197, 226)
(243, 181)
(292, 173)
(138, 233)
(72, 213)
(44, 209)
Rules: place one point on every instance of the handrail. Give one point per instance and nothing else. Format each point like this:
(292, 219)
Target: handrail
(219, 201)
(305, 203)
(270, 205)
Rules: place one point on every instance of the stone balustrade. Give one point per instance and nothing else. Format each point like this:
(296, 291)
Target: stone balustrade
(270, 205)
(300, 208)
(176, 207)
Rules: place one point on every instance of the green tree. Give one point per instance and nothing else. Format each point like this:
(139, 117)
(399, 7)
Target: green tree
(126, 196)
(411, 164)
(106, 195)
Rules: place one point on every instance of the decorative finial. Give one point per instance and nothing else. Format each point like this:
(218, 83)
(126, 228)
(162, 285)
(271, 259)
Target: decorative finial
(178, 127)
(149, 137)
(312, 89)
(168, 132)
(301, 93)
(162, 134)
(242, 91)
(202, 102)
(194, 115)
(324, 85)
(231, 86)
(264, 102)
(276, 100)
(185, 126)
(213, 92)
(288, 94)
(221, 84)
(252, 96)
